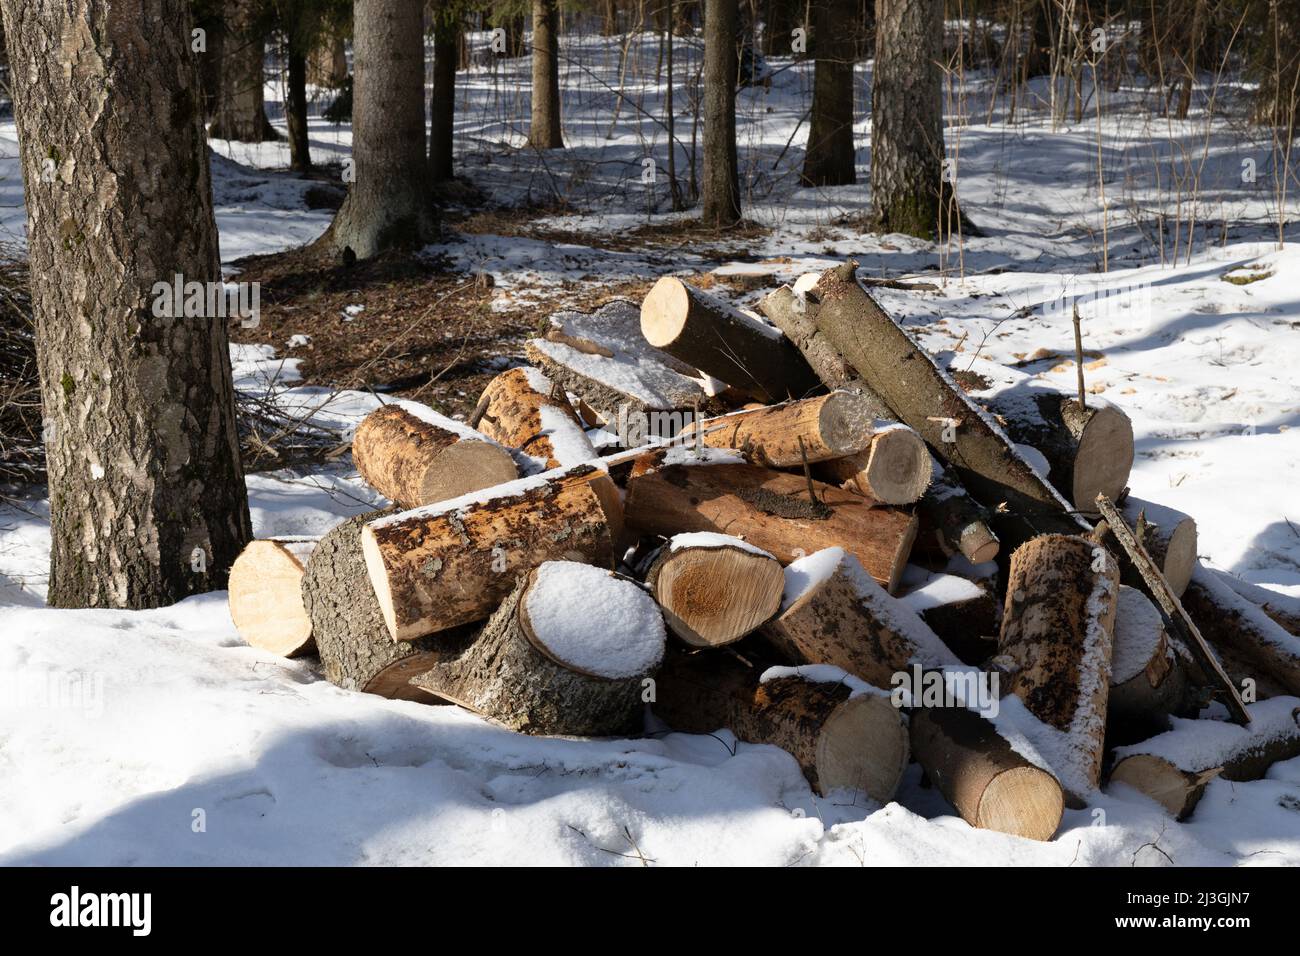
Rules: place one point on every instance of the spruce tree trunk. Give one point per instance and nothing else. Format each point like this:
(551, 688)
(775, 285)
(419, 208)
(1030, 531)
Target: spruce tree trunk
(721, 192)
(241, 113)
(442, 108)
(210, 64)
(907, 117)
(830, 157)
(388, 204)
(295, 109)
(147, 498)
(544, 129)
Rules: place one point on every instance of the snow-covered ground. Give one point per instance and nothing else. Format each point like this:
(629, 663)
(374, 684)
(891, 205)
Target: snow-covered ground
(159, 737)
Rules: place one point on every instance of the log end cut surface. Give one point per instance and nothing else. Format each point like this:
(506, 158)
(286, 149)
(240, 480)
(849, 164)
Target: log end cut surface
(664, 311)
(266, 599)
(898, 468)
(464, 467)
(705, 615)
(1104, 458)
(1025, 801)
(863, 745)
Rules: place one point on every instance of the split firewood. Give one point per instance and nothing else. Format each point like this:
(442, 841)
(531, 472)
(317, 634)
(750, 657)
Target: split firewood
(989, 784)
(266, 595)
(713, 588)
(1169, 536)
(832, 612)
(842, 737)
(526, 411)
(1230, 621)
(724, 342)
(1184, 629)
(670, 492)
(451, 563)
(356, 650)
(961, 611)
(1147, 682)
(413, 456)
(1175, 767)
(1282, 608)
(1057, 631)
(546, 664)
(954, 520)
(927, 399)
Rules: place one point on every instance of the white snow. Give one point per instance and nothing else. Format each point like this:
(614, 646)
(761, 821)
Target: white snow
(824, 674)
(569, 442)
(804, 574)
(1138, 626)
(711, 539)
(594, 621)
(1201, 744)
(926, 590)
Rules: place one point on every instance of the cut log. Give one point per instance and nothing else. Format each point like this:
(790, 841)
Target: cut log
(963, 613)
(1089, 450)
(1057, 630)
(356, 650)
(525, 410)
(1169, 537)
(1175, 767)
(724, 342)
(927, 399)
(894, 470)
(954, 520)
(545, 664)
(990, 785)
(832, 612)
(443, 565)
(789, 434)
(1146, 681)
(266, 595)
(1228, 620)
(1284, 609)
(794, 313)
(714, 589)
(414, 456)
(669, 493)
(840, 739)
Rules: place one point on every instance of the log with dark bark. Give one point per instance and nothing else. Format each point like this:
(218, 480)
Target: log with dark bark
(1175, 767)
(794, 313)
(1284, 609)
(954, 520)
(418, 457)
(1057, 631)
(1228, 620)
(529, 669)
(840, 741)
(1147, 682)
(832, 612)
(447, 564)
(962, 611)
(720, 189)
(356, 650)
(989, 785)
(674, 492)
(266, 595)
(713, 337)
(714, 589)
(525, 410)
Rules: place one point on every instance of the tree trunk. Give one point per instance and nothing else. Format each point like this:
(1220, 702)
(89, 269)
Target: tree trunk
(544, 127)
(240, 114)
(210, 65)
(295, 109)
(830, 158)
(147, 497)
(721, 193)
(266, 595)
(388, 204)
(524, 410)
(329, 63)
(442, 107)
(907, 151)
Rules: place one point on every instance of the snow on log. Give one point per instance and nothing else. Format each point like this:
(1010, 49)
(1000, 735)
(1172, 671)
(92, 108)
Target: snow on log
(1284, 609)
(525, 410)
(793, 312)
(989, 784)
(356, 650)
(1175, 767)
(713, 588)
(451, 563)
(1057, 630)
(962, 612)
(954, 520)
(832, 612)
(723, 342)
(1228, 620)
(672, 492)
(1146, 679)
(568, 652)
(413, 456)
(266, 595)
(843, 734)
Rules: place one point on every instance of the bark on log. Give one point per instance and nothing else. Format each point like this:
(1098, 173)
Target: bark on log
(794, 313)
(1228, 620)
(894, 470)
(514, 676)
(926, 399)
(787, 435)
(721, 341)
(443, 565)
(1175, 767)
(839, 741)
(714, 589)
(1169, 537)
(1282, 608)
(832, 612)
(769, 509)
(418, 458)
(266, 595)
(1057, 630)
(525, 410)
(356, 650)
(990, 785)
(954, 520)
(962, 612)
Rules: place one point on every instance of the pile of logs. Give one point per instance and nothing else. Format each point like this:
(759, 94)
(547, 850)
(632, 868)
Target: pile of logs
(793, 526)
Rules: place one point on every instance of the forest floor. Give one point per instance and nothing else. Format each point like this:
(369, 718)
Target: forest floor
(116, 728)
